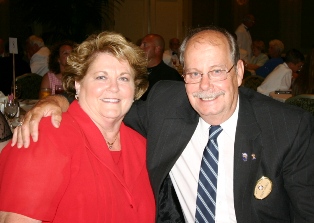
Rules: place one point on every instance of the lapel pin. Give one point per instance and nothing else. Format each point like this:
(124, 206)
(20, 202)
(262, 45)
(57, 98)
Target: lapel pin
(253, 156)
(244, 157)
(263, 188)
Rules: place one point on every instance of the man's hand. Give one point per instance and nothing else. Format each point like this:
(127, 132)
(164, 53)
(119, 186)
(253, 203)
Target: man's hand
(50, 106)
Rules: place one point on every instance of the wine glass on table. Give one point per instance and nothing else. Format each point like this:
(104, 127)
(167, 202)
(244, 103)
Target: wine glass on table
(10, 110)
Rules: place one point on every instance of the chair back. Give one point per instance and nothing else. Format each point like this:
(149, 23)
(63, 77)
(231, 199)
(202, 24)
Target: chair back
(305, 101)
(252, 82)
(30, 83)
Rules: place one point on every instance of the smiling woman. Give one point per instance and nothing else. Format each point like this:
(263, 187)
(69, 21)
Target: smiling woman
(93, 168)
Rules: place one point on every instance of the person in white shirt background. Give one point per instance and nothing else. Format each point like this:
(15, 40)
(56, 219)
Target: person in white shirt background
(171, 56)
(280, 78)
(38, 55)
(244, 38)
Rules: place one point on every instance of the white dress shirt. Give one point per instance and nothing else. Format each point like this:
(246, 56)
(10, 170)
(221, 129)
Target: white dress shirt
(168, 58)
(278, 79)
(39, 61)
(185, 172)
(244, 39)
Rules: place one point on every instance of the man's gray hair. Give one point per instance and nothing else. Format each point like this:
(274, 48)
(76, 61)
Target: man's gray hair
(233, 46)
(279, 46)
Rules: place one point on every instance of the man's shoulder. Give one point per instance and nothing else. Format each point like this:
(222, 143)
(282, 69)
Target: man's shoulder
(166, 72)
(278, 60)
(169, 89)
(240, 28)
(169, 85)
(167, 96)
(43, 52)
(264, 105)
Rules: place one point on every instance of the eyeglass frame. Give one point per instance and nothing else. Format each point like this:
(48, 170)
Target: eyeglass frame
(209, 76)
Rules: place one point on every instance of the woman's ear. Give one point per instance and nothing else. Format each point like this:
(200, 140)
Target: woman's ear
(77, 87)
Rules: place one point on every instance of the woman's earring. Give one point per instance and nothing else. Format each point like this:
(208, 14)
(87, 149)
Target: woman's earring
(76, 96)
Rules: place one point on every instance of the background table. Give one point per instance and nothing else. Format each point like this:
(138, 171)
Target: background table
(280, 97)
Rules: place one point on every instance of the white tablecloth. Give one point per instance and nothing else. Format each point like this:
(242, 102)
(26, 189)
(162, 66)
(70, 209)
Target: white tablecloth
(280, 97)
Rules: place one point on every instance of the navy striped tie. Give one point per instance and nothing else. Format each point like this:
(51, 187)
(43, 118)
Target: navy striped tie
(207, 183)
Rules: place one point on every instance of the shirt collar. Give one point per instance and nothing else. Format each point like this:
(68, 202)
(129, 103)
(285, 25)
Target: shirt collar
(229, 126)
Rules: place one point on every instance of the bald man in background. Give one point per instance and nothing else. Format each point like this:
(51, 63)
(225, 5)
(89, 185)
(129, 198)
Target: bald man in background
(154, 46)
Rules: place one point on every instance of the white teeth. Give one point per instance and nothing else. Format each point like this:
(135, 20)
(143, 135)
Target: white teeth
(208, 99)
(110, 100)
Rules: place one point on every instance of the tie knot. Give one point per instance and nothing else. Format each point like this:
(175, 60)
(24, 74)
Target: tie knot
(214, 131)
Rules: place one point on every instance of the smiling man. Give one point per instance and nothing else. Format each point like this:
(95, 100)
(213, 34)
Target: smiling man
(217, 152)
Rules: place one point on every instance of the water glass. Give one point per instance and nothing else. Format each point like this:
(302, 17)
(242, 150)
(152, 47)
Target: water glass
(44, 92)
(11, 108)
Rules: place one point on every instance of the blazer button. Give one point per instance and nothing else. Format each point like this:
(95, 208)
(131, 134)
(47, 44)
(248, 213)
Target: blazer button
(131, 206)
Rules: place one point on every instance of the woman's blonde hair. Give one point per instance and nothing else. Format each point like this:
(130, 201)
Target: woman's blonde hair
(115, 44)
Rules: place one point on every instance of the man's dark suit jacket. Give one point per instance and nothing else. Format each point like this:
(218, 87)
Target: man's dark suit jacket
(280, 136)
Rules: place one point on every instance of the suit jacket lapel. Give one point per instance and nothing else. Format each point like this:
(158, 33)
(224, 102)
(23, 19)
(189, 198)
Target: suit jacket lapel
(247, 156)
(177, 129)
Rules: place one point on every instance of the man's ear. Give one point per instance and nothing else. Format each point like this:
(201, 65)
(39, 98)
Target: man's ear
(240, 71)
(157, 49)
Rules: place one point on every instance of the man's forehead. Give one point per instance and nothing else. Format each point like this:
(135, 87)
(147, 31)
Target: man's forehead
(148, 39)
(208, 39)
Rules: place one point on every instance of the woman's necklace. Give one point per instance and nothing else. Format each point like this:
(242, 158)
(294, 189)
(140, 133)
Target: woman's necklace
(110, 144)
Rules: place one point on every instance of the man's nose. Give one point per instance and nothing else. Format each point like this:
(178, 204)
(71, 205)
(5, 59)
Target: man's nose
(206, 82)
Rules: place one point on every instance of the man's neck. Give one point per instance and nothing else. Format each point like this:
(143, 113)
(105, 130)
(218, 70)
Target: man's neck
(153, 63)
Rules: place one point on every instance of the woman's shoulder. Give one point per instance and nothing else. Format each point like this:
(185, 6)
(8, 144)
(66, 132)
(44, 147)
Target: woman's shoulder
(68, 130)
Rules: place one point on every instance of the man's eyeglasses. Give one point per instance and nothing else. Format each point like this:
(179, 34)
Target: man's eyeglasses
(218, 73)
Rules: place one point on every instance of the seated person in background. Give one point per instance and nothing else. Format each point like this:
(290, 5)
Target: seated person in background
(275, 50)
(5, 132)
(38, 55)
(96, 167)
(172, 55)
(154, 45)
(280, 78)
(57, 61)
(259, 57)
(304, 83)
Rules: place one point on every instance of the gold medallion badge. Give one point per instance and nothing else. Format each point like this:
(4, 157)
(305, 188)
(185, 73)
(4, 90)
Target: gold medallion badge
(263, 188)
